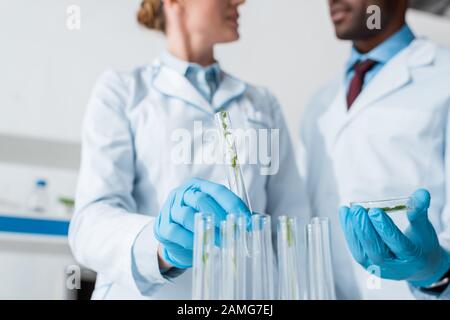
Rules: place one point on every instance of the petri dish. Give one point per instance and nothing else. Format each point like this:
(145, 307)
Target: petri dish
(397, 205)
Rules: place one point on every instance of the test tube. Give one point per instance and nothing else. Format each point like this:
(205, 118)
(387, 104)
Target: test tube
(319, 263)
(203, 284)
(288, 259)
(398, 205)
(261, 253)
(234, 171)
(233, 255)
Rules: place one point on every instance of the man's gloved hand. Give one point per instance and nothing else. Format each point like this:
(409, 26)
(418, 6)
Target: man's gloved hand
(174, 227)
(375, 240)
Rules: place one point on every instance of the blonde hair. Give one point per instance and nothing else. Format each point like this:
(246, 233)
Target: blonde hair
(151, 15)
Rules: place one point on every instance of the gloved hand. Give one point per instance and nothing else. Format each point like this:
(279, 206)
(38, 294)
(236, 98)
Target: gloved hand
(375, 240)
(174, 227)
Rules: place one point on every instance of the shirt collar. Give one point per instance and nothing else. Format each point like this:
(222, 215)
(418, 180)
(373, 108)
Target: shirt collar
(386, 50)
(184, 67)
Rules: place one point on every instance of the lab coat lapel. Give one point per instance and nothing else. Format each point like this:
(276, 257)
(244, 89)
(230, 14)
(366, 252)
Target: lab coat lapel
(229, 90)
(172, 84)
(392, 77)
(395, 75)
(333, 120)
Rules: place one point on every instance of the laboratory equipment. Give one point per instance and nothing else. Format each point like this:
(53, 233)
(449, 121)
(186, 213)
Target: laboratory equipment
(38, 198)
(398, 205)
(319, 264)
(247, 270)
(289, 261)
(203, 282)
(233, 257)
(67, 203)
(262, 260)
(395, 208)
(234, 170)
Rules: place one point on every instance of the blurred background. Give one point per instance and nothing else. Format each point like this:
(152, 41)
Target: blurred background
(48, 70)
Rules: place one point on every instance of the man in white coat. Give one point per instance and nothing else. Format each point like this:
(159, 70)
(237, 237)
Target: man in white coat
(379, 130)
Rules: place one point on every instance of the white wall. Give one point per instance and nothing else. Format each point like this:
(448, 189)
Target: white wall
(48, 71)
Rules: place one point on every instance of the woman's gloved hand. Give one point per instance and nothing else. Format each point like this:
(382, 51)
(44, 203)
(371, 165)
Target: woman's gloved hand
(375, 240)
(174, 227)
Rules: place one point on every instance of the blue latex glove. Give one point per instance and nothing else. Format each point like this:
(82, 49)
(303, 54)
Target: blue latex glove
(375, 240)
(174, 227)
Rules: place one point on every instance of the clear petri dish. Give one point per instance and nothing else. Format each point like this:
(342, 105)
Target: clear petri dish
(398, 205)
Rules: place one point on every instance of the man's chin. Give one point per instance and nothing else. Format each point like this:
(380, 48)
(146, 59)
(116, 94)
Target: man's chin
(347, 33)
(343, 36)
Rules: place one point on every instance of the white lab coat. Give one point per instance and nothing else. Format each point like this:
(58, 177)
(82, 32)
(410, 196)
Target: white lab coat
(127, 169)
(393, 141)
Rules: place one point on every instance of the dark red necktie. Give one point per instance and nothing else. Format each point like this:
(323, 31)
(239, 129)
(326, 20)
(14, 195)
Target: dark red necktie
(356, 84)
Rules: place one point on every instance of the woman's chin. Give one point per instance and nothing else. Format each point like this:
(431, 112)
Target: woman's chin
(232, 35)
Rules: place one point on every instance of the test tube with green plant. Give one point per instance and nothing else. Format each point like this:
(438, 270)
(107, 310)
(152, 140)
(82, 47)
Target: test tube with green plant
(203, 284)
(289, 262)
(233, 257)
(234, 172)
